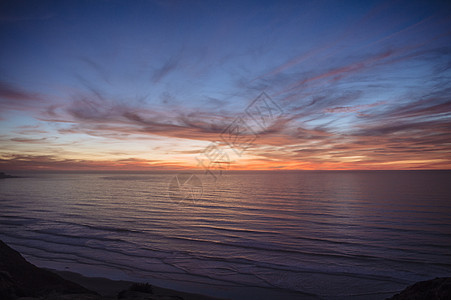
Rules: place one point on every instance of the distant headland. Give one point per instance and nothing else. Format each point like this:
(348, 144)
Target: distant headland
(4, 175)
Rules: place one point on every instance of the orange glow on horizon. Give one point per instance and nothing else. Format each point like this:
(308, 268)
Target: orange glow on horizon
(253, 164)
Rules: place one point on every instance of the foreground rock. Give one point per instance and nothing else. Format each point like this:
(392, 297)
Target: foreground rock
(19, 278)
(435, 289)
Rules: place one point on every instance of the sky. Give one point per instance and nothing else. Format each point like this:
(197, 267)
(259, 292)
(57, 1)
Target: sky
(146, 85)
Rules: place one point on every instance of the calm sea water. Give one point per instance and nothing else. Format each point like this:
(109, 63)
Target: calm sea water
(333, 235)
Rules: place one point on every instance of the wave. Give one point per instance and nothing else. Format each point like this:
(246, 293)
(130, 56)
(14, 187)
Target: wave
(249, 232)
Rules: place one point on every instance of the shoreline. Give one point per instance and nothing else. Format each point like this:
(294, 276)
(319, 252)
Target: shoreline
(20, 278)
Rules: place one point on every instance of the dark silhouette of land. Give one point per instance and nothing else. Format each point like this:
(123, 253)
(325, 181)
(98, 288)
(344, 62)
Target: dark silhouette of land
(19, 278)
(3, 176)
(438, 288)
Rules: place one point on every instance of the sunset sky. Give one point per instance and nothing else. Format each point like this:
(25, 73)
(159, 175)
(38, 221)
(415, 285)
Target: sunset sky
(143, 85)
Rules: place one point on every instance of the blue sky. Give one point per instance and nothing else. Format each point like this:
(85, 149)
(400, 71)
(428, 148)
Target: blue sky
(150, 84)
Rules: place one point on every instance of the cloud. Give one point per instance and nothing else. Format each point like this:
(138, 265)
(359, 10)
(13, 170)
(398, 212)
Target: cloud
(161, 72)
(30, 141)
(97, 67)
(95, 114)
(350, 102)
(9, 92)
(355, 108)
(50, 162)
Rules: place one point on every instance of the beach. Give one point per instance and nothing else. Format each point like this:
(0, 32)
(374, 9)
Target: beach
(108, 288)
(21, 279)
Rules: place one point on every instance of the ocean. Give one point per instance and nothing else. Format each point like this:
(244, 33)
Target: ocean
(280, 234)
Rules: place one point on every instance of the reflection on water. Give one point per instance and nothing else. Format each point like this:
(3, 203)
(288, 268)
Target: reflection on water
(367, 233)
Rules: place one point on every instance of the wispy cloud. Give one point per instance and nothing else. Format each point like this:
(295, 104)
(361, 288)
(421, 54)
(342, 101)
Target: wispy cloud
(50, 162)
(9, 93)
(366, 89)
(161, 72)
